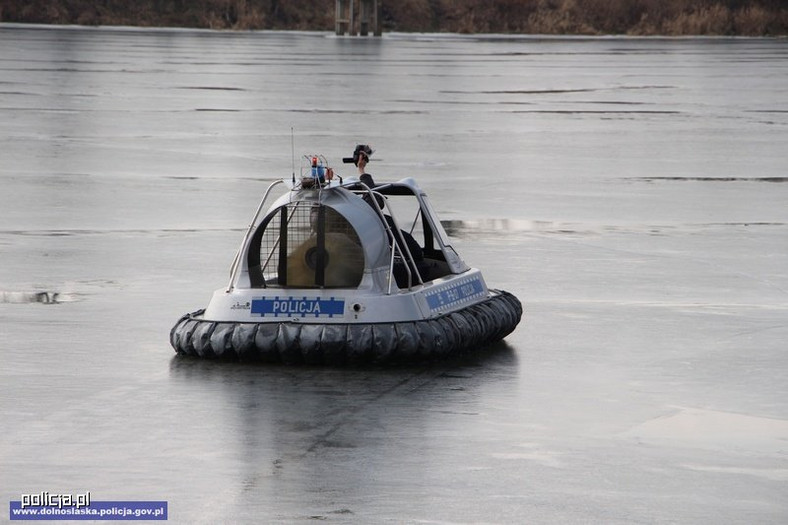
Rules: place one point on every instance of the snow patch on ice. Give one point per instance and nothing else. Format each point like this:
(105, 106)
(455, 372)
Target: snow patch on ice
(774, 474)
(711, 429)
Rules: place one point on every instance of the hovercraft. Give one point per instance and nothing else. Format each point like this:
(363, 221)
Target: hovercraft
(331, 274)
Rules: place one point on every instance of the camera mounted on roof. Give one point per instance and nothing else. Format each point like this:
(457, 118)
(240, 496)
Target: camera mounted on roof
(361, 150)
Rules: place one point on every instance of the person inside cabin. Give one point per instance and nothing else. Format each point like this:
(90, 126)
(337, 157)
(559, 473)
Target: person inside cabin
(361, 158)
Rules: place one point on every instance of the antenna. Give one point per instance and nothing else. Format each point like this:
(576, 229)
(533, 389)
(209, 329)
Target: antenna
(292, 152)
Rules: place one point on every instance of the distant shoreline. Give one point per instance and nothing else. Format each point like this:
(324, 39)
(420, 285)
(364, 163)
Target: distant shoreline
(521, 17)
(403, 34)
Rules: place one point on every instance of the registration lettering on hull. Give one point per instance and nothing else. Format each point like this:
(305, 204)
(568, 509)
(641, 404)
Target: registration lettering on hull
(298, 307)
(455, 294)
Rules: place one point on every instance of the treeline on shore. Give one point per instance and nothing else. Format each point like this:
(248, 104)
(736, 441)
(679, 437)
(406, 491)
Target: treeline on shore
(554, 17)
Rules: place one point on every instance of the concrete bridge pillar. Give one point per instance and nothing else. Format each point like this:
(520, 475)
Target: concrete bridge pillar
(368, 17)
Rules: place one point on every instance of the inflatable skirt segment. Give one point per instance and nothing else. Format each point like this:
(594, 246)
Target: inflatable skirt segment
(464, 330)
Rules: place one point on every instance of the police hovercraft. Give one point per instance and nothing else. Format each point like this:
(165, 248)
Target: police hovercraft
(347, 271)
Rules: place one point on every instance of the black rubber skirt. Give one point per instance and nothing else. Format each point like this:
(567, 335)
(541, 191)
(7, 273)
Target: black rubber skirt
(468, 329)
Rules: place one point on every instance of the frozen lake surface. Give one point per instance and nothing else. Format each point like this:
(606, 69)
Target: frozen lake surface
(633, 193)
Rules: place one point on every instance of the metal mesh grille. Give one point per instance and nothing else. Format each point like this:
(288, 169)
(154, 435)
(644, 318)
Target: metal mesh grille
(290, 246)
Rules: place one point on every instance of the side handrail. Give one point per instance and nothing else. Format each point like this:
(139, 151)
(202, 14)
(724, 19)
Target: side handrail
(237, 261)
(410, 261)
(395, 246)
